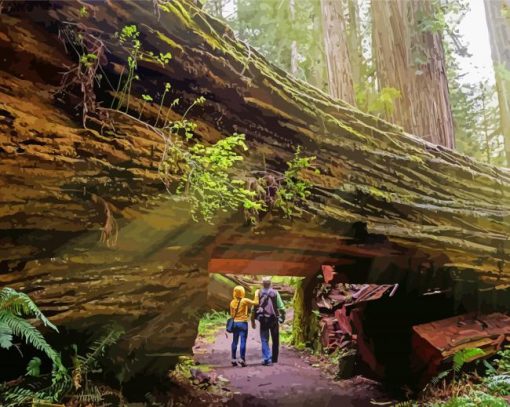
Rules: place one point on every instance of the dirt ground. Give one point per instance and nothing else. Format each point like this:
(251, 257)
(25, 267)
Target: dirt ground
(291, 382)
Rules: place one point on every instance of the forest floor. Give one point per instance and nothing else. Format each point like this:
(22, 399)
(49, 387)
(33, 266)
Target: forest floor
(294, 381)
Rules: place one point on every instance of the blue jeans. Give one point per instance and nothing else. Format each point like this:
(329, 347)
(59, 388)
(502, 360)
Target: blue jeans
(240, 331)
(270, 355)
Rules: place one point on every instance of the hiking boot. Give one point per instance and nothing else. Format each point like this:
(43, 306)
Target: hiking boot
(234, 362)
(242, 362)
(267, 363)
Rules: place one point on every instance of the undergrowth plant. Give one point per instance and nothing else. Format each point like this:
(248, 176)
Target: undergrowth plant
(38, 388)
(460, 358)
(84, 390)
(474, 398)
(210, 323)
(497, 380)
(15, 308)
(471, 390)
(128, 38)
(294, 190)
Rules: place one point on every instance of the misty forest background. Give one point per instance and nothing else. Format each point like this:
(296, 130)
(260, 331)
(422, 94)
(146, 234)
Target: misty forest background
(411, 73)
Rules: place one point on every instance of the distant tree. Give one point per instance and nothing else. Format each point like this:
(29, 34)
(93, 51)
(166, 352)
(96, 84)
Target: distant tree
(340, 78)
(488, 125)
(409, 57)
(215, 7)
(498, 22)
(287, 32)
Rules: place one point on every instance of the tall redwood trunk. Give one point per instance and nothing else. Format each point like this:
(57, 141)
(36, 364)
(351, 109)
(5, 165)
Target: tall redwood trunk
(354, 41)
(337, 51)
(294, 55)
(411, 60)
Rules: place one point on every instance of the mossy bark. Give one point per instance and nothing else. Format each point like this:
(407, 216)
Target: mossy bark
(422, 197)
(305, 326)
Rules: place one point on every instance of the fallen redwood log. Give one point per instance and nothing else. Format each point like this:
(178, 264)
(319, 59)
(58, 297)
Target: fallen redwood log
(434, 344)
(417, 203)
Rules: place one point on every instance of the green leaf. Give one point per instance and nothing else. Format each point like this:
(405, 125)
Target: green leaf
(465, 355)
(5, 336)
(34, 367)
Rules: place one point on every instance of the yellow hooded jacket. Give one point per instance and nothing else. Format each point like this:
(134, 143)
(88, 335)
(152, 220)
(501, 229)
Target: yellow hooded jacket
(244, 306)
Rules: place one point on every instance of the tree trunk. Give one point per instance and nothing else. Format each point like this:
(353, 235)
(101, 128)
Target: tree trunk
(294, 55)
(337, 51)
(354, 41)
(412, 61)
(383, 196)
(499, 33)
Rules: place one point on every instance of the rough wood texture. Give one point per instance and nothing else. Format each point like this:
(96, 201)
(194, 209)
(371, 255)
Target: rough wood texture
(423, 205)
(435, 344)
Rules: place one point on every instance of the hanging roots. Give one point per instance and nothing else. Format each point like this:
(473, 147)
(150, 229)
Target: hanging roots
(110, 230)
(91, 52)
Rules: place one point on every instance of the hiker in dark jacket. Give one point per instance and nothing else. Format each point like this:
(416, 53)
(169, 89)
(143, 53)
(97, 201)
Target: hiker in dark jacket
(270, 312)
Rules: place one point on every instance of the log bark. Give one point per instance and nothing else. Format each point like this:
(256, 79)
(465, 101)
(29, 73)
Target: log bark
(413, 202)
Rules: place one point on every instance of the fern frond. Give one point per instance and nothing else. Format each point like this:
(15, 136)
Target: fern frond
(28, 333)
(5, 336)
(21, 304)
(13, 307)
(20, 396)
(465, 355)
(436, 379)
(98, 349)
(91, 395)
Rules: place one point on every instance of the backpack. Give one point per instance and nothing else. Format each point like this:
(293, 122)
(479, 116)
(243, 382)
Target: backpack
(267, 316)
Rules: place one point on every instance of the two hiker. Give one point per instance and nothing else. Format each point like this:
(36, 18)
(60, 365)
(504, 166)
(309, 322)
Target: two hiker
(269, 310)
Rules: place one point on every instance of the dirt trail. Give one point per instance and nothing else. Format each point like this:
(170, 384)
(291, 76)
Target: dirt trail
(290, 382)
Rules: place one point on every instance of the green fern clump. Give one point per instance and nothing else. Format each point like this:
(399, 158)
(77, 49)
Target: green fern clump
(460, 358)
(15, 307)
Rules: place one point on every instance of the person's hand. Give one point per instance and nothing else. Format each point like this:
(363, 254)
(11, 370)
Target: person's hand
(281, 319)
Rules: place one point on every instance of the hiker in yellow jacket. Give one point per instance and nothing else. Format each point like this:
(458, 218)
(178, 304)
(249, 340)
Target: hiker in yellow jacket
(239, 310)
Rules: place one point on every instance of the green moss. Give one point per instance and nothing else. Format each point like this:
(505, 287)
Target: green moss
(168, 40)
(178, 10)
(305, 327)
